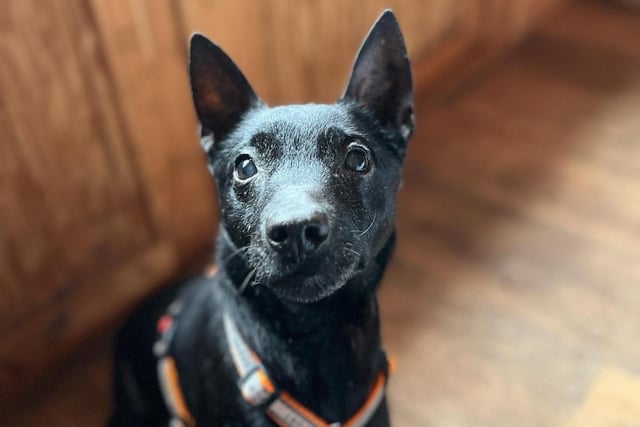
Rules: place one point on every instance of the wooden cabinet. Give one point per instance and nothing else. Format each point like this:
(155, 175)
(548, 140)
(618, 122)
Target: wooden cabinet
(104, 192)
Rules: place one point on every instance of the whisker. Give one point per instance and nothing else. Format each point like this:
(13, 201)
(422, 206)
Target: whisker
(234, 253)
(352, 251)
(357, 234)
(246, 281)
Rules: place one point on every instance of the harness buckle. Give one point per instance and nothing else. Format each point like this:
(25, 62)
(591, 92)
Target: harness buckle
(256, 387)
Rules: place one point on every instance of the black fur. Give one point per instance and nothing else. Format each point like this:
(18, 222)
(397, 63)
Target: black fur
(307, 199)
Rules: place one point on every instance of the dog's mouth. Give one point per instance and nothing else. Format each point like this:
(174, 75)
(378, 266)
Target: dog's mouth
(307, 280)
(305, 289)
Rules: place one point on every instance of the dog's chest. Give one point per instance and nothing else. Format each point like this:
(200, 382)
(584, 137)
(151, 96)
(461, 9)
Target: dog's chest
(328, 374)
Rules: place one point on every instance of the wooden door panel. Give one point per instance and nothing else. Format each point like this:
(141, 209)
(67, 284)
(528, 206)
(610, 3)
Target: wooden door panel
(71, 202)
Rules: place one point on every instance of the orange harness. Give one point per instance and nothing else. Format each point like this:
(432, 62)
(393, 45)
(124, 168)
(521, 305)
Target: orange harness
(254, 383)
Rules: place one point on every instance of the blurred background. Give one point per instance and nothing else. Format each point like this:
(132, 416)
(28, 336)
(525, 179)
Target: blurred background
(514, 294)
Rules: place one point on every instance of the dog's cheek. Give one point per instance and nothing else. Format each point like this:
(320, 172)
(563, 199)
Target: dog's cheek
(237, 216)
(382, 234)
(235, 229)
(243, 192)
(239, 234)
(382, 203)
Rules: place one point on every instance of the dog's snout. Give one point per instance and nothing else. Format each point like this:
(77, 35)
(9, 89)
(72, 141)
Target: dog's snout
(298, 236)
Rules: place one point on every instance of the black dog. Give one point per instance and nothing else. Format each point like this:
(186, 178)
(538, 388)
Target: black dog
(287, 331)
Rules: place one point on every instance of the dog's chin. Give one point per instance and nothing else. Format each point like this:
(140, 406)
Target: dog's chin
(305, 289)
(310, 285)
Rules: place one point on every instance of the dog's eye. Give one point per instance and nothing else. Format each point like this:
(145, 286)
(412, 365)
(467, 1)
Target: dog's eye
(245, 168)
(358, 159)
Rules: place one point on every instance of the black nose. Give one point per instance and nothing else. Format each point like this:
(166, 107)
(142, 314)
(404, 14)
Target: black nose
(298, 237)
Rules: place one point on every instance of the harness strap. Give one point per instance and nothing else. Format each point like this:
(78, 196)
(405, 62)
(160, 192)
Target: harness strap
(168, 372)
(257, 389)
(173, 397)
(374, 399)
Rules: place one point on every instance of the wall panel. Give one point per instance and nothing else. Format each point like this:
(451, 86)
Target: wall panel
(302, 51)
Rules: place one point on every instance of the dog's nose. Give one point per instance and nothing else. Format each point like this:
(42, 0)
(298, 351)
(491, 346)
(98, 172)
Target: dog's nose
(300, 237)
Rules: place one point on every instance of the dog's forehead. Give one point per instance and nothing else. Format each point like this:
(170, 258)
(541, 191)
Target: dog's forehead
(301, 122)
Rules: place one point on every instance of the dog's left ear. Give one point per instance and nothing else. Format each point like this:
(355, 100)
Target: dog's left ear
(381, 76)
(221, 93)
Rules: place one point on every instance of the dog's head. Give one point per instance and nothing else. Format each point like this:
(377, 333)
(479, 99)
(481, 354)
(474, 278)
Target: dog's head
(307, 192)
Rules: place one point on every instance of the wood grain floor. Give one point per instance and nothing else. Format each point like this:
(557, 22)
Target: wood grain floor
(514, 296)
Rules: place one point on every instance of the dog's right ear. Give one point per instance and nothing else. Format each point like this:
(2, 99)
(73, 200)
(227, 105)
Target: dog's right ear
(221, 93)
(381, 76)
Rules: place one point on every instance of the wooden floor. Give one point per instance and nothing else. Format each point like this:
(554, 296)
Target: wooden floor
(514, 296)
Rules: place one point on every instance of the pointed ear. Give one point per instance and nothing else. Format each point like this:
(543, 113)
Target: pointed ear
(221, 93)
(381, 76)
